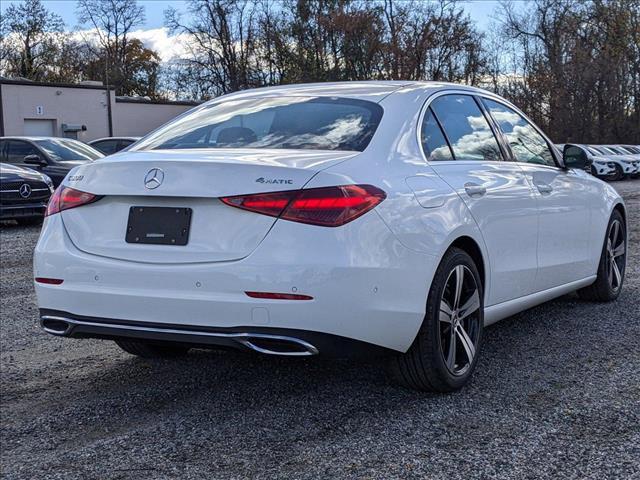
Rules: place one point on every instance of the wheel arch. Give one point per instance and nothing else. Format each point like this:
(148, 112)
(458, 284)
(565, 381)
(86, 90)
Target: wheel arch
(472, 248)
(620, 208)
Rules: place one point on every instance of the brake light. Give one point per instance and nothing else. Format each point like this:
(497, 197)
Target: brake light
(278, 296)
(49, 281)
(325, 206)
(65, 198)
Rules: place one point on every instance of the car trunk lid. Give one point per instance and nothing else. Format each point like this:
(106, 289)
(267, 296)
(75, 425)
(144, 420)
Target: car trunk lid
(188, 179)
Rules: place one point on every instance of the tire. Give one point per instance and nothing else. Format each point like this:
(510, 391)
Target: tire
(427, 365)
(144, 349)
(610, 279)
(619, 175)
(29, 221)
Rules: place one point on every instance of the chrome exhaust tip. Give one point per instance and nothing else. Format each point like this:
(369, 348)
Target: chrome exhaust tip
(56, 325)
(277, 345)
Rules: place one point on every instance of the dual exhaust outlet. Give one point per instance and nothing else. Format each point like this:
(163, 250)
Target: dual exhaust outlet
(269, 344)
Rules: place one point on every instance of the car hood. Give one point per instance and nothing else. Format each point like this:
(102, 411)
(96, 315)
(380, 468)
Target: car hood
(12, 172)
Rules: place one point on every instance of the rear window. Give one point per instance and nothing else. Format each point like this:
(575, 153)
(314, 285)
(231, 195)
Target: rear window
(308, 123)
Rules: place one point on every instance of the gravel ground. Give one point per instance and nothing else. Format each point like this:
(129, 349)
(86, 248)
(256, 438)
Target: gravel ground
(556, 395)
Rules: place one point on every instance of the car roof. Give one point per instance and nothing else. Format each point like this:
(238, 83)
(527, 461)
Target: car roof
(372, 90)
(113, 138)
(36, 138)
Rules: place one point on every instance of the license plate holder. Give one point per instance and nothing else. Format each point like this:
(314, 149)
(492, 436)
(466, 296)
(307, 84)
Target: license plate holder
(158, 225)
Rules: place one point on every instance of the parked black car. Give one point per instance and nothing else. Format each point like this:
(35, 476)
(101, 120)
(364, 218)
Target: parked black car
(111, 145)
(24, 194)
(49, 155)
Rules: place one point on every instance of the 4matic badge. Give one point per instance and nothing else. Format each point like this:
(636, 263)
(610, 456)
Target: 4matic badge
(275, 180)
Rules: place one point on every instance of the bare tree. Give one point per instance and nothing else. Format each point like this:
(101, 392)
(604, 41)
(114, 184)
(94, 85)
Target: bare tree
(577, 67)
(30, 40)
(112, 22)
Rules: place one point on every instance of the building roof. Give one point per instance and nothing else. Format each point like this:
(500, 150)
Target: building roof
(30, 83)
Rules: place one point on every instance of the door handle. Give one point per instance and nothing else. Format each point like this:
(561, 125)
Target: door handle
(544, 188)
(473, 189)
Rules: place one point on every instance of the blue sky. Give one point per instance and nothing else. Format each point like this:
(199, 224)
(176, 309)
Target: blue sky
(154, 10)
(480, 11)
(159, 39)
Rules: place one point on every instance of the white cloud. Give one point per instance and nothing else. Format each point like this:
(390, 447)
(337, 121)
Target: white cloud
(167, 46)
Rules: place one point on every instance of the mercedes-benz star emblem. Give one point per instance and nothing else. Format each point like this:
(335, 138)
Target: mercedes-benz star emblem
(25, 190)
(153, 178)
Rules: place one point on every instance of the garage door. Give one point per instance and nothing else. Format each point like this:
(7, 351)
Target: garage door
(39, 128)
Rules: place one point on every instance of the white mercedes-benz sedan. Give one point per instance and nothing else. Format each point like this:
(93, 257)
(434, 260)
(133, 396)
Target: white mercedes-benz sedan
(349, 218)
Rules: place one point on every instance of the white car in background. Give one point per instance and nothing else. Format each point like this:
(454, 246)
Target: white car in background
(632, 149)
(625, 164)
(629, 153)
(620, 150)
(601, 167)
(389, 217)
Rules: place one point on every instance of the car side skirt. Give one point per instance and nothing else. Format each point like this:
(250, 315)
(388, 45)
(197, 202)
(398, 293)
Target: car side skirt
(503, 310)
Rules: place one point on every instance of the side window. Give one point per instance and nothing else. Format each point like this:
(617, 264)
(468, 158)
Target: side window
(18, 150)
(526, 143)
(467, 129)
(107, 146)
(434, 143)
(3, 151)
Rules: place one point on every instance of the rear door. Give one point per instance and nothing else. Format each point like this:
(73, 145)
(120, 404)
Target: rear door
(564, 198)
(495, 191)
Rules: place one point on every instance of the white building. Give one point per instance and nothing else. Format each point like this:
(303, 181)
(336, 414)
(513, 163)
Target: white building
(85, 111)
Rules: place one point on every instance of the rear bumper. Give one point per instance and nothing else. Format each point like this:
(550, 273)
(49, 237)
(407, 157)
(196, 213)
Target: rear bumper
(270, 341)
(365, 285)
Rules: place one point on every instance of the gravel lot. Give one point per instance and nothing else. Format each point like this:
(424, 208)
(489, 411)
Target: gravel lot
(556, 395)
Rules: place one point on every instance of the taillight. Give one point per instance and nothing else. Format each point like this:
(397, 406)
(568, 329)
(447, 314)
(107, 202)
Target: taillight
(325, 206)
(65, 198)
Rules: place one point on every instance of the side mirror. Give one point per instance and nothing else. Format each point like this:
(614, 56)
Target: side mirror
(575, 157)
(34, 160)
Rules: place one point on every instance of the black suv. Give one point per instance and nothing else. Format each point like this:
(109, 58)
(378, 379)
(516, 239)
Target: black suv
(51, 156)
(24, 194)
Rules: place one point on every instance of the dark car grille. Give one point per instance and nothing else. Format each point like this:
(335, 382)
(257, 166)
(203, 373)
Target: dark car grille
(10, 192)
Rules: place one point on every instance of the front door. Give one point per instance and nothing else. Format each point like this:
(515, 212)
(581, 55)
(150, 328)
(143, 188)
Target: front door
(564, 199)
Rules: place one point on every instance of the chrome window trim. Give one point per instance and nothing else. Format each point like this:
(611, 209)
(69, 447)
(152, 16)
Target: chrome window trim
(480, 94)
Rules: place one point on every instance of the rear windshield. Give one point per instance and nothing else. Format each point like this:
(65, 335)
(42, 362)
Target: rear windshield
(67, 150)
(308, 123)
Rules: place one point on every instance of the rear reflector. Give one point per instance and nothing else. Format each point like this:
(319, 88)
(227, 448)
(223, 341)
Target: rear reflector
(325, 206)
(65, 198)
(278, 296)
(49, 281)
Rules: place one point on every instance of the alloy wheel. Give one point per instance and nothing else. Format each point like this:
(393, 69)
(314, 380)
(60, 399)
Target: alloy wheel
(459, 320)
(616, 253)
